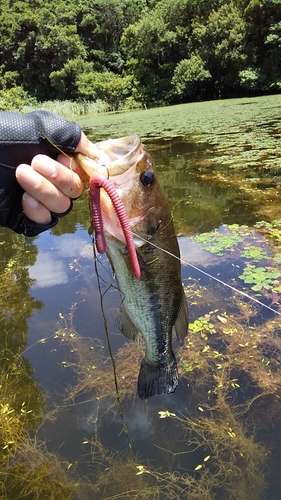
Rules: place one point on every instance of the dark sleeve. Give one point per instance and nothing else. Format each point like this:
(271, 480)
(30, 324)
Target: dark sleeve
(22, 136)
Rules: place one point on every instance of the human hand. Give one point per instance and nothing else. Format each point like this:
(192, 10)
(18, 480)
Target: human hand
(50, 184)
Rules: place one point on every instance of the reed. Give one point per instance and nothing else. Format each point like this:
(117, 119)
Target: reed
(70, 108)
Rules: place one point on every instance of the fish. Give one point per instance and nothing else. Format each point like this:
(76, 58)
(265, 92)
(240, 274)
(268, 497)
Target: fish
(153, 303)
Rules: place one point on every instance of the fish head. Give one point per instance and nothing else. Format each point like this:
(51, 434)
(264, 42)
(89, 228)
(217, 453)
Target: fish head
(143, 198)
(112, 157)
(131, 171)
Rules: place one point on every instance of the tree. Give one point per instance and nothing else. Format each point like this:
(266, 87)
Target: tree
(220, 44)
(105, 86)
(169, 50)
(262, 41)
(191, 79)
(65, 81)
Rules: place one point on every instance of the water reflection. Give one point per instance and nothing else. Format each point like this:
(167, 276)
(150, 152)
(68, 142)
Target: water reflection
(206, 192)
(46, 272)
(218, 435)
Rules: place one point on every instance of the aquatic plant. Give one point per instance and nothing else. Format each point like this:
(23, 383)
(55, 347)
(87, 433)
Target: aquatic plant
(69, 108)
(219, 241)
(36, 473)
(254, 253)
(219, 353)
(236, 382)
(94, 369)
(272, 229)
(260, 277)
(27, 469)
(232, 461)
(220, 456)
(202, 325)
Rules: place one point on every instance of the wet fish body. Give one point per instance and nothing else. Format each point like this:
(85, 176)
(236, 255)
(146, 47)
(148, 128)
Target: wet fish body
(153, 306)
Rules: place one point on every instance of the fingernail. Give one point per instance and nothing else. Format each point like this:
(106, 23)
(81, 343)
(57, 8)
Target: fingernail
(30, 201)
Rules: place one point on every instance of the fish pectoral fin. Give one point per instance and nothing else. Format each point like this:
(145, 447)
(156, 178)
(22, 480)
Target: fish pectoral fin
(181, 324)
(157, 378)
(126, 325)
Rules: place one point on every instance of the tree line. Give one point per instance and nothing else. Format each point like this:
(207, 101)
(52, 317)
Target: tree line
(138, 52)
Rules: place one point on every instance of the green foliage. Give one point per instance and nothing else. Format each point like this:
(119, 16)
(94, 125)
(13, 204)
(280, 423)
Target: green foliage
(222, 240)
(14, 98)
(105, 86)
(254, 252)
(260, 277)
(65, 80)
(173, 51)
(189, 76)
(202, 325)
(271, 228)
(69, 108)
(249, 78)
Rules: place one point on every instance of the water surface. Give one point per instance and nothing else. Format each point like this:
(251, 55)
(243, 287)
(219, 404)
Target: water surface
(217, 437)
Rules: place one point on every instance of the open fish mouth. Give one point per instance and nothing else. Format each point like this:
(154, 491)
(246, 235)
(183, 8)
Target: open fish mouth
(116, 157)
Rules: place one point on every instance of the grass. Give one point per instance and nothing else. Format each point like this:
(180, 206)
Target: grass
(69, 109)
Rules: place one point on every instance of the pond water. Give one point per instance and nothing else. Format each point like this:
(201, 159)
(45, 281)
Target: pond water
(72, 423)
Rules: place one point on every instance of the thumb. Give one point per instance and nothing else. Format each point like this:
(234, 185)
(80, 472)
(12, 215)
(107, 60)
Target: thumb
(86, 147)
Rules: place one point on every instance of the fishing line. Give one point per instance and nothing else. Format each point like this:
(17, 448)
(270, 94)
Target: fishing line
(118, 399)
(210, 275)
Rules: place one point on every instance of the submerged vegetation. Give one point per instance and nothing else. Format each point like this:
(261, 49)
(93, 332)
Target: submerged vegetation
(218, 437)
(224, 436)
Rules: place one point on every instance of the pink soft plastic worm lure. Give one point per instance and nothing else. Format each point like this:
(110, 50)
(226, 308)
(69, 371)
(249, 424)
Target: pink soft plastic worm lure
(96, 182)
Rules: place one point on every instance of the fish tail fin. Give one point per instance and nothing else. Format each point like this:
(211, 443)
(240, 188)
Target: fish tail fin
(157, 378)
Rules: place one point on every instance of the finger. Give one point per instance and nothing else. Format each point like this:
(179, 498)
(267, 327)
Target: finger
(42, 190)
(34, 210)
(86, 147)
(73, 165)
(66, 180)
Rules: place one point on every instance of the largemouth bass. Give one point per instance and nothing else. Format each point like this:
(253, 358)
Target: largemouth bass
(153, 304)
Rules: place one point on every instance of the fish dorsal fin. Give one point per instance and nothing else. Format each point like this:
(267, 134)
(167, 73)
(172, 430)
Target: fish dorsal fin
(126, 325)
(181, 324)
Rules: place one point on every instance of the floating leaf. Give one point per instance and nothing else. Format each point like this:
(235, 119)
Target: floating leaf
(187, 367)
(222, 319)
(224, 239)
(202, 325)
(141, 470)
(260, 277)
(164, 414)
(255, 253)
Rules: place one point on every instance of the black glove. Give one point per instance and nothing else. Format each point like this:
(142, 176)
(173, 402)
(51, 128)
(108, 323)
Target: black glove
(21, 138)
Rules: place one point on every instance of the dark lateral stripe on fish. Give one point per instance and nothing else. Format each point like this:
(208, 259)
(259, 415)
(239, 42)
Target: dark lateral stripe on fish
(155, 379)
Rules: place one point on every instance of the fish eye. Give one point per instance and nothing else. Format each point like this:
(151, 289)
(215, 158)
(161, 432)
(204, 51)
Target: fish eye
(147, 178)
